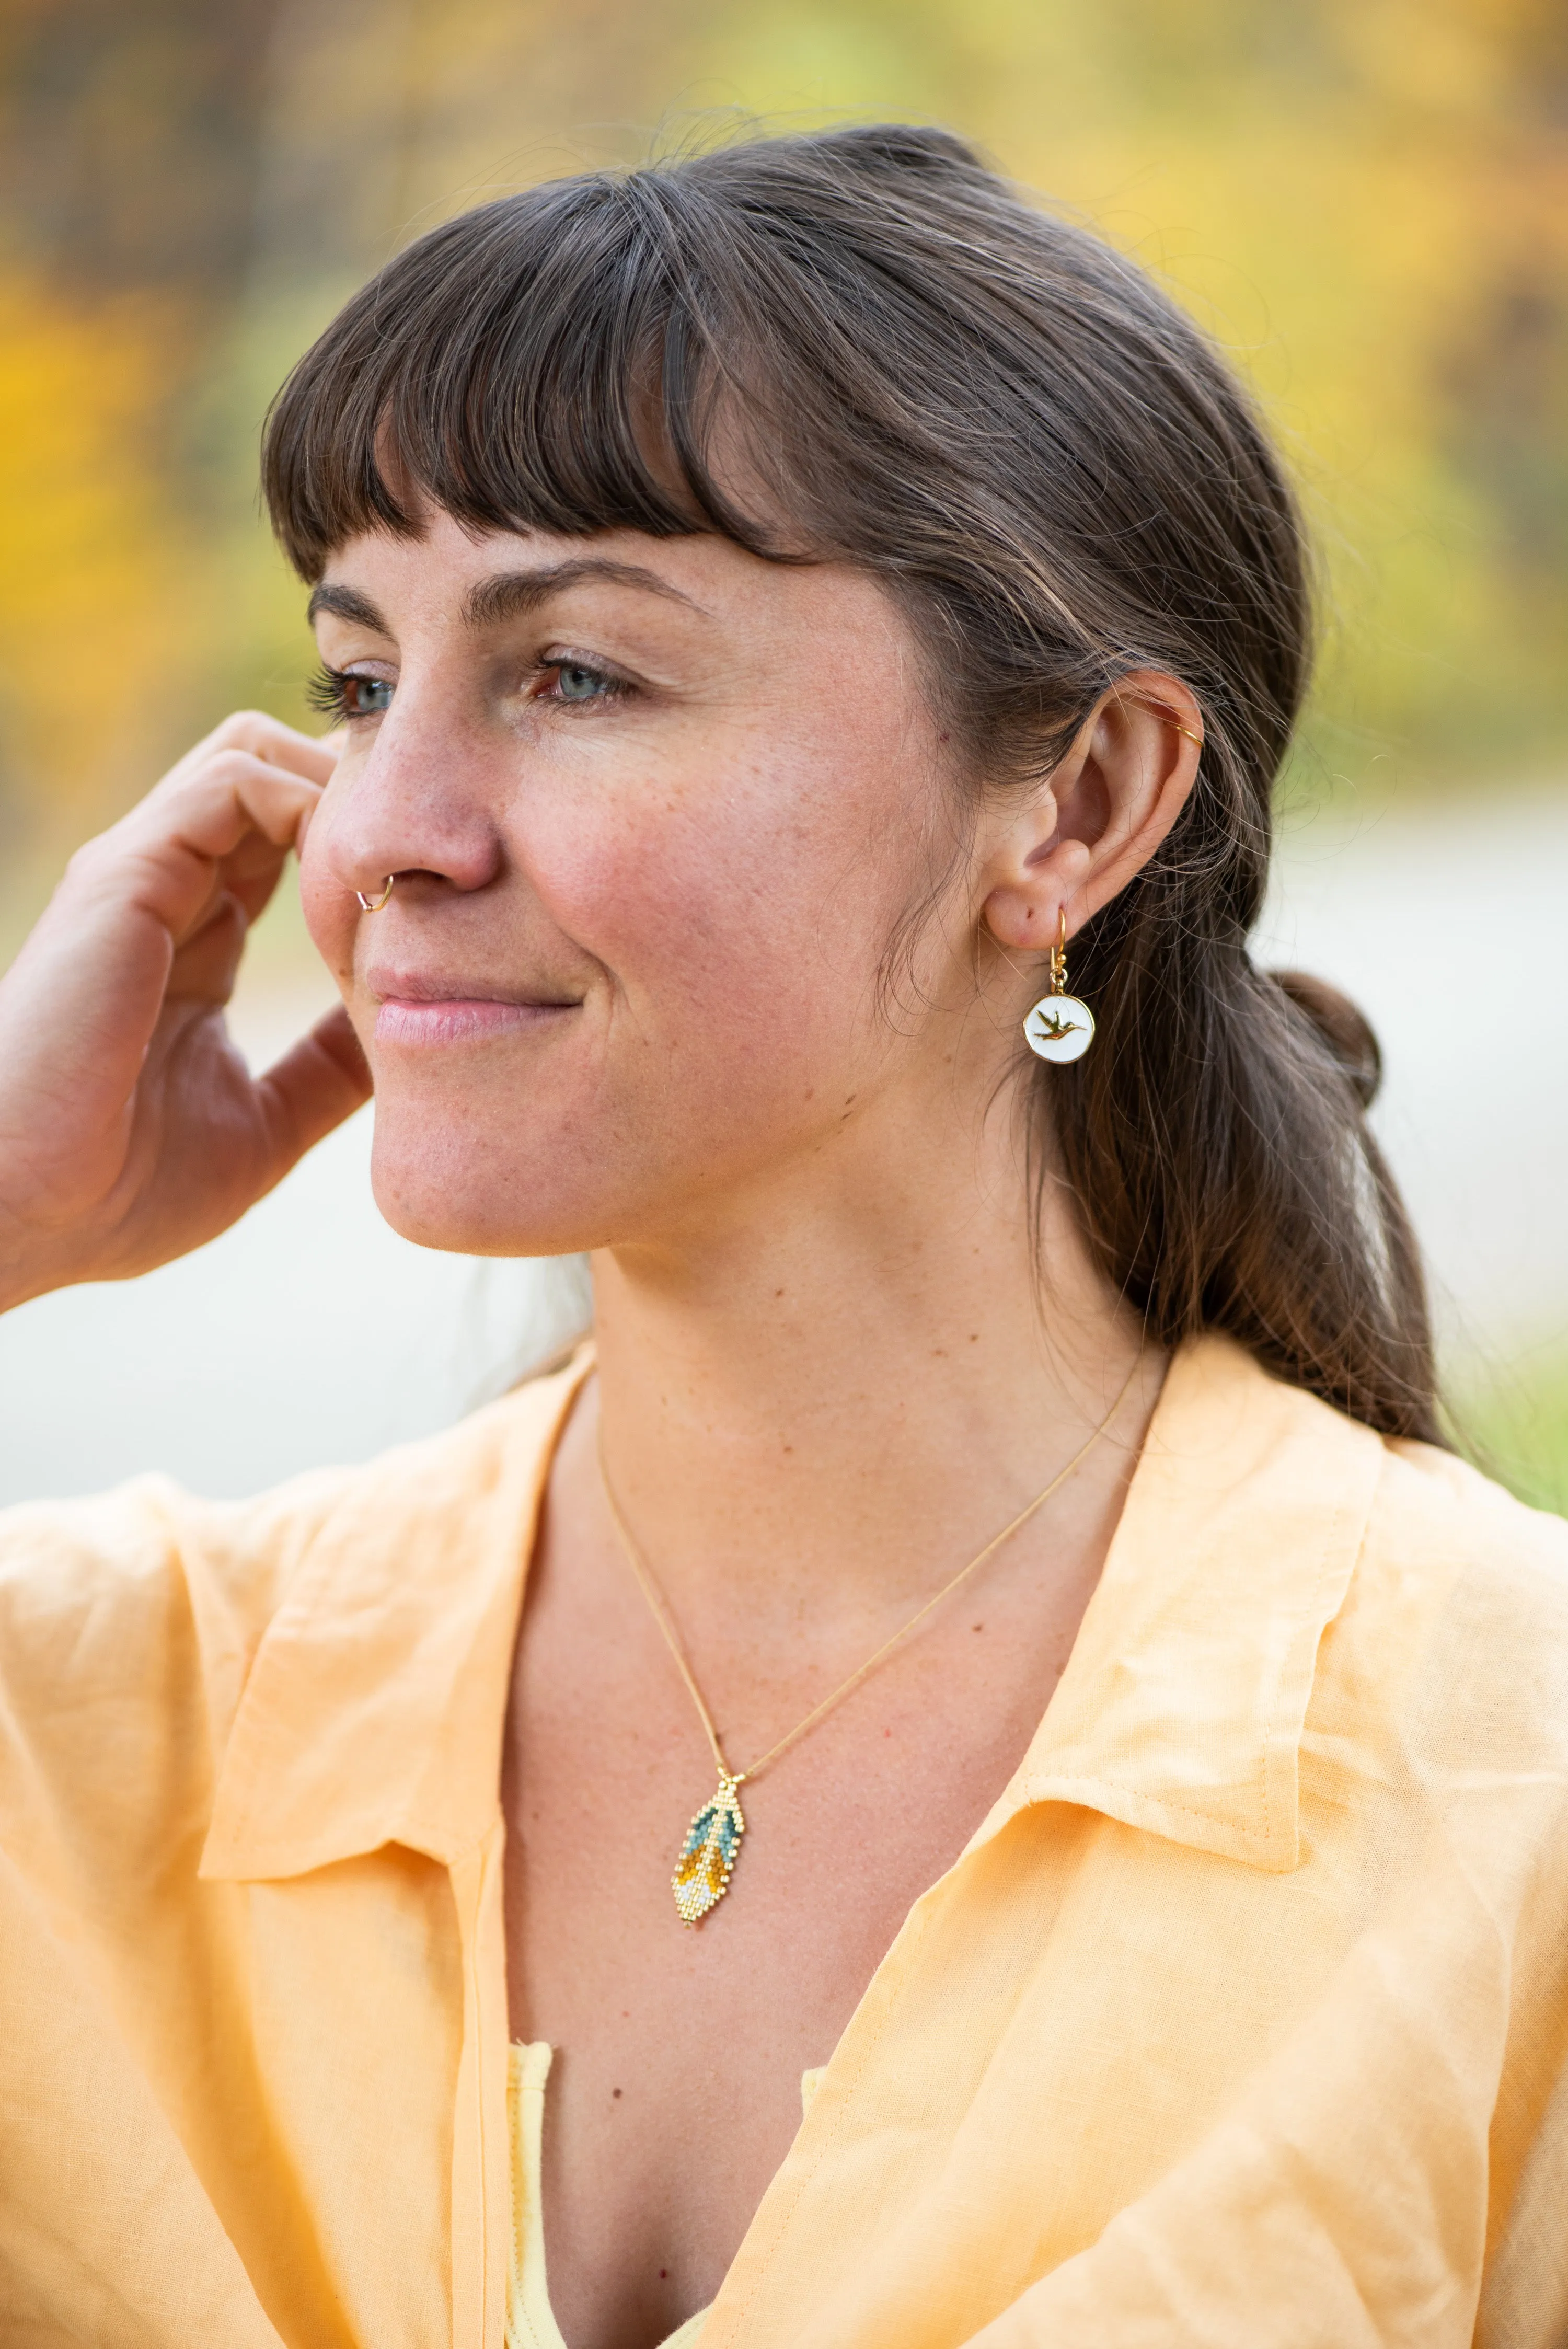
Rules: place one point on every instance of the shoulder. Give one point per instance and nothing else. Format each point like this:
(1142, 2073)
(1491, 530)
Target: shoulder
(1429, 1584)
(129, 1622)
(1440, 1699)
(1469, 1589)
(143, 1585)
(1416, 1612)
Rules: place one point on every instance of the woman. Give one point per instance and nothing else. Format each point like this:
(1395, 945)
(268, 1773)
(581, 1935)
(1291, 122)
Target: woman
(809, 641)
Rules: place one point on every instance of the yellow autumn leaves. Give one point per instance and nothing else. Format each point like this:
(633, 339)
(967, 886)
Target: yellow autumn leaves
(1367, 199)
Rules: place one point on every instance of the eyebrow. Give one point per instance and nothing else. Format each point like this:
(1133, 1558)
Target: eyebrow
(347, 604)
(509, 593)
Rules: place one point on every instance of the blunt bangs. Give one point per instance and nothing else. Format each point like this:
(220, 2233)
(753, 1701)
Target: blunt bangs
(552, 361)
(856, 345)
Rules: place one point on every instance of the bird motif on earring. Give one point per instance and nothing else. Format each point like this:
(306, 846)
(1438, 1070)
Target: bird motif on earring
(1048, 1027)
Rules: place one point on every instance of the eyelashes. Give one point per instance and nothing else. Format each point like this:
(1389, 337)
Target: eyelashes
(347, 694)
(325, 692)
(344, 693)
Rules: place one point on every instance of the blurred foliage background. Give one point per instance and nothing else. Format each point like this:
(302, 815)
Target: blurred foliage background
(1366, 200)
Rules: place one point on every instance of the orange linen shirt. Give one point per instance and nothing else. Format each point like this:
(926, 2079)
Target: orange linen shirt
(1242, 2019)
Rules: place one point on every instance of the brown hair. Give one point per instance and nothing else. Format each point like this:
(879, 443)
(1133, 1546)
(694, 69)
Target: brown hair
(1041, 455)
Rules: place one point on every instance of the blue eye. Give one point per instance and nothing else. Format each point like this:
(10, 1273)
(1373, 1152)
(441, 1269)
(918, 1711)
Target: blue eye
(573, 682)
(366, 696)
(339, 694)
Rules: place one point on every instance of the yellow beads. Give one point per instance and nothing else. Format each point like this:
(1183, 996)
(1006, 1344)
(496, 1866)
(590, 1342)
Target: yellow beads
(709, 1854)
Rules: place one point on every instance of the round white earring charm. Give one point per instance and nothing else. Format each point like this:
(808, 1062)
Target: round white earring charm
(1059, 1028)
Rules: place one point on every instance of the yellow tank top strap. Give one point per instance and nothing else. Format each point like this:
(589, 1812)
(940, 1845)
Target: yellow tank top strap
(529, 2319)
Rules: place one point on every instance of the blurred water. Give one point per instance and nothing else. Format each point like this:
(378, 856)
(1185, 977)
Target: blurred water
(311, 1332)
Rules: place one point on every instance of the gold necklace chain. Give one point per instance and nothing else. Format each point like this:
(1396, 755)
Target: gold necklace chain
(708, 1855)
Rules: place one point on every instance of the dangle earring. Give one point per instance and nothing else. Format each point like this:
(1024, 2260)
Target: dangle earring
(1059, 1028)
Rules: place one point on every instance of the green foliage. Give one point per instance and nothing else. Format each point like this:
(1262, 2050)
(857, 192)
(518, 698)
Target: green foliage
(1511, 1419)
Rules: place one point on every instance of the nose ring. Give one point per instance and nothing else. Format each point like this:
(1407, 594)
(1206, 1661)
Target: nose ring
(373, 904)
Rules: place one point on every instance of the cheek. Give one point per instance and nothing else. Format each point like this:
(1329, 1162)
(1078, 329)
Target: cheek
(331, 914)
(745, 921)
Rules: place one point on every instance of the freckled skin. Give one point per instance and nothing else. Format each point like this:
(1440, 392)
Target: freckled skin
(787, 1130)
(664, 860)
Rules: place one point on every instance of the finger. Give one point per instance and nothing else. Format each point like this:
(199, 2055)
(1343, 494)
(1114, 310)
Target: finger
(81, 1000)
(164, 858)
(252, 872)
(251, 731)
(208, 961)
(312, 755)
(323, 1080)
(247, 879)
(253, 890)
(231, 794)
(213, 799)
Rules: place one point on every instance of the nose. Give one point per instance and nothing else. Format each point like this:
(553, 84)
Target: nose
(419, 805)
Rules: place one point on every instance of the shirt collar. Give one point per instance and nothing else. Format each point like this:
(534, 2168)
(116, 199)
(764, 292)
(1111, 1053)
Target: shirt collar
(1184, 1698)
(375, 1710)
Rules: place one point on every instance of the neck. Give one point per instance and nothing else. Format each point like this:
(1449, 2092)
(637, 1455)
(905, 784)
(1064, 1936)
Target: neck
(838, 1392)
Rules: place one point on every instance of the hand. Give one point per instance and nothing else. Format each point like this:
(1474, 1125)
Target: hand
(130, 1128)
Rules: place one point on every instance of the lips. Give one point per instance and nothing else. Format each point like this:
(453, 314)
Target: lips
(419, 1008)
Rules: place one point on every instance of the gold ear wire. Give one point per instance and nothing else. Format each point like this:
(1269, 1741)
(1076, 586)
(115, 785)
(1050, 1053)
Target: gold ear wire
(1059, 954)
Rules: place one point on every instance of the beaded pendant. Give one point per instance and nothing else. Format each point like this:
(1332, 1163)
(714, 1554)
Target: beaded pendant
(709, 1854)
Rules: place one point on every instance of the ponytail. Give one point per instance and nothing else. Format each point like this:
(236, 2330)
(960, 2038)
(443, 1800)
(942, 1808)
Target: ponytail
(1217, 1145)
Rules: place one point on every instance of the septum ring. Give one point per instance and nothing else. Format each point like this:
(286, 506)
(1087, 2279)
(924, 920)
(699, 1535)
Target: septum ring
(373, 904)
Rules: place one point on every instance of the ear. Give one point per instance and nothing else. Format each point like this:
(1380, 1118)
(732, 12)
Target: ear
(1101, 814)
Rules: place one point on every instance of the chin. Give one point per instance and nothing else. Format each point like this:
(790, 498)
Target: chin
(550, 1180)
(470, 1197)
(439, 1218)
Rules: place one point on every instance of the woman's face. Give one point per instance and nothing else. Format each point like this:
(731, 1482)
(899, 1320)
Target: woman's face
(658, 811)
